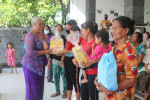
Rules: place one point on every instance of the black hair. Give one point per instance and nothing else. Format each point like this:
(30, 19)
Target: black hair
(106, 15)
(10, 43)
(103, 35)
(71, 22)
(60, 26)
(148, 34)
(116, 14)
(139, 36)
(91, 25)
(126, 22)
(50, 32)
(74, 28)
(24, 32)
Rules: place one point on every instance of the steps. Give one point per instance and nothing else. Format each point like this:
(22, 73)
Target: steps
(139, 95)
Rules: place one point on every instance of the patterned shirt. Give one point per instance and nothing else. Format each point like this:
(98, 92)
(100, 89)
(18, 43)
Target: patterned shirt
(127, 63)
(31, 60)
(140, 49)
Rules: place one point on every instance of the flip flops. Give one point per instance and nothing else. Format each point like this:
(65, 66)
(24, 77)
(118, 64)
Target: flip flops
(55, 95)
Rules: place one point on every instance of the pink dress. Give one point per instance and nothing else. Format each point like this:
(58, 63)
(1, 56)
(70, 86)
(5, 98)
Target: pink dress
(99, 51)
(11, 57)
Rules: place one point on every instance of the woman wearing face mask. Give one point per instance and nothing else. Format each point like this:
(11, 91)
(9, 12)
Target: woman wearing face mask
(105, 24)
(48, 34)
(58, 68)
(69, 24)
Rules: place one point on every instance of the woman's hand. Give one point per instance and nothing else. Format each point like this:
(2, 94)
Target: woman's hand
(45, 45)
(60, 53)
(89, 62)
(100, 87)
(48, 51)
(75, 62)
(62, 64)
(49, 65)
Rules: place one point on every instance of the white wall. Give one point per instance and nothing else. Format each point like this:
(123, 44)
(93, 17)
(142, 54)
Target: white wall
(106, 6)
(78, 11)
(146, 18)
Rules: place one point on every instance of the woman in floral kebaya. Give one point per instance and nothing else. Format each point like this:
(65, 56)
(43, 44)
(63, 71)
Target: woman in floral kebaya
(127, 62)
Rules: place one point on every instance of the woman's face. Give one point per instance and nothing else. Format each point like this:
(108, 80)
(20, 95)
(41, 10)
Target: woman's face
(134, 38)
(84, 33)
(59, 29)
(38, 27)
(67, 26)
(46, 28)
(118, 32)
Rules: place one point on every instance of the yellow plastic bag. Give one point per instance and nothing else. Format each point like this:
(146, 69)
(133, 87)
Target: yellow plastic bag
(56, 43)
(79, 56)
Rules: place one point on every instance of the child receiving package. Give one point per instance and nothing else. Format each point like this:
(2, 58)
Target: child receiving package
(56, 43)
(107, 71)
(78, 52)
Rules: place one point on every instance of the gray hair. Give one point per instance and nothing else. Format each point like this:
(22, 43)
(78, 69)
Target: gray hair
(35, 19)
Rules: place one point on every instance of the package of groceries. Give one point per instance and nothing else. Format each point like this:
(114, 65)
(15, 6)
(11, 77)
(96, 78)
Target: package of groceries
(78, 52)
(56, 43)
(107, 71)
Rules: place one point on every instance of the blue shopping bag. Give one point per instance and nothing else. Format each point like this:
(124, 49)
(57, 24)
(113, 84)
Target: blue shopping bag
(107, 71)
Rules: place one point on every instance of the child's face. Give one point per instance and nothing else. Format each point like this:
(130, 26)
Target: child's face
(9, 46)
(97, 40)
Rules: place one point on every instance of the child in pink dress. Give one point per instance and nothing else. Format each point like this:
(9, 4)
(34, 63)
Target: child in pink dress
(98, 49)
(10, 56)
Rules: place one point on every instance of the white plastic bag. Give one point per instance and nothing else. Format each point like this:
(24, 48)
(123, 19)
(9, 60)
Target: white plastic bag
(107, 71)
(56, 43)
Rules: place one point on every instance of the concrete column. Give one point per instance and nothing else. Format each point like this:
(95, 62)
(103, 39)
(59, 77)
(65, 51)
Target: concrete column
(90, 10)
(135, 10)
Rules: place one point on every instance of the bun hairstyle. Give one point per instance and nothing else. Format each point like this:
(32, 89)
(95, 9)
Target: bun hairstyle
(103, 35)
(90, 25)
(74, 28)
(139, 36)
(71, 22)
(126, 22)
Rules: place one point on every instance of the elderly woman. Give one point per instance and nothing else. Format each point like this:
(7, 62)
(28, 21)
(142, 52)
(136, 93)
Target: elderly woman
(34, 60)
(127, 63)
(137, 39)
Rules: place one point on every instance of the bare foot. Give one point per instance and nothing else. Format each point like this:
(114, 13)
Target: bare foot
(84, 81)
(16, 72)
(10, 72)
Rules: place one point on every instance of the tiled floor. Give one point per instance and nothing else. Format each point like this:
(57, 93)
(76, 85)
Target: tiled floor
(12, 87)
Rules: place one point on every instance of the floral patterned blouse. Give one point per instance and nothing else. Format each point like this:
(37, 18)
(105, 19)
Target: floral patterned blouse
(127, 63)
(31, 60)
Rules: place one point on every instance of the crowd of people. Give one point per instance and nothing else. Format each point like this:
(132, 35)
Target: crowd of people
(132, 59)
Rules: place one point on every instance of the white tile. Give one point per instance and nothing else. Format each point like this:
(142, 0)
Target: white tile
(12, 87)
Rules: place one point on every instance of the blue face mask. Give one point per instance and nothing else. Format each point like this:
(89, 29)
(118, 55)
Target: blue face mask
(46, 31)
(61, 33)
(115, 17)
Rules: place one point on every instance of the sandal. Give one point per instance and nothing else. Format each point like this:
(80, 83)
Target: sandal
(64, 95)
(55, 95)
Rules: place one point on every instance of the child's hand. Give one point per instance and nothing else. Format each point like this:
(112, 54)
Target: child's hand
(62, 64)
(93, 45)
